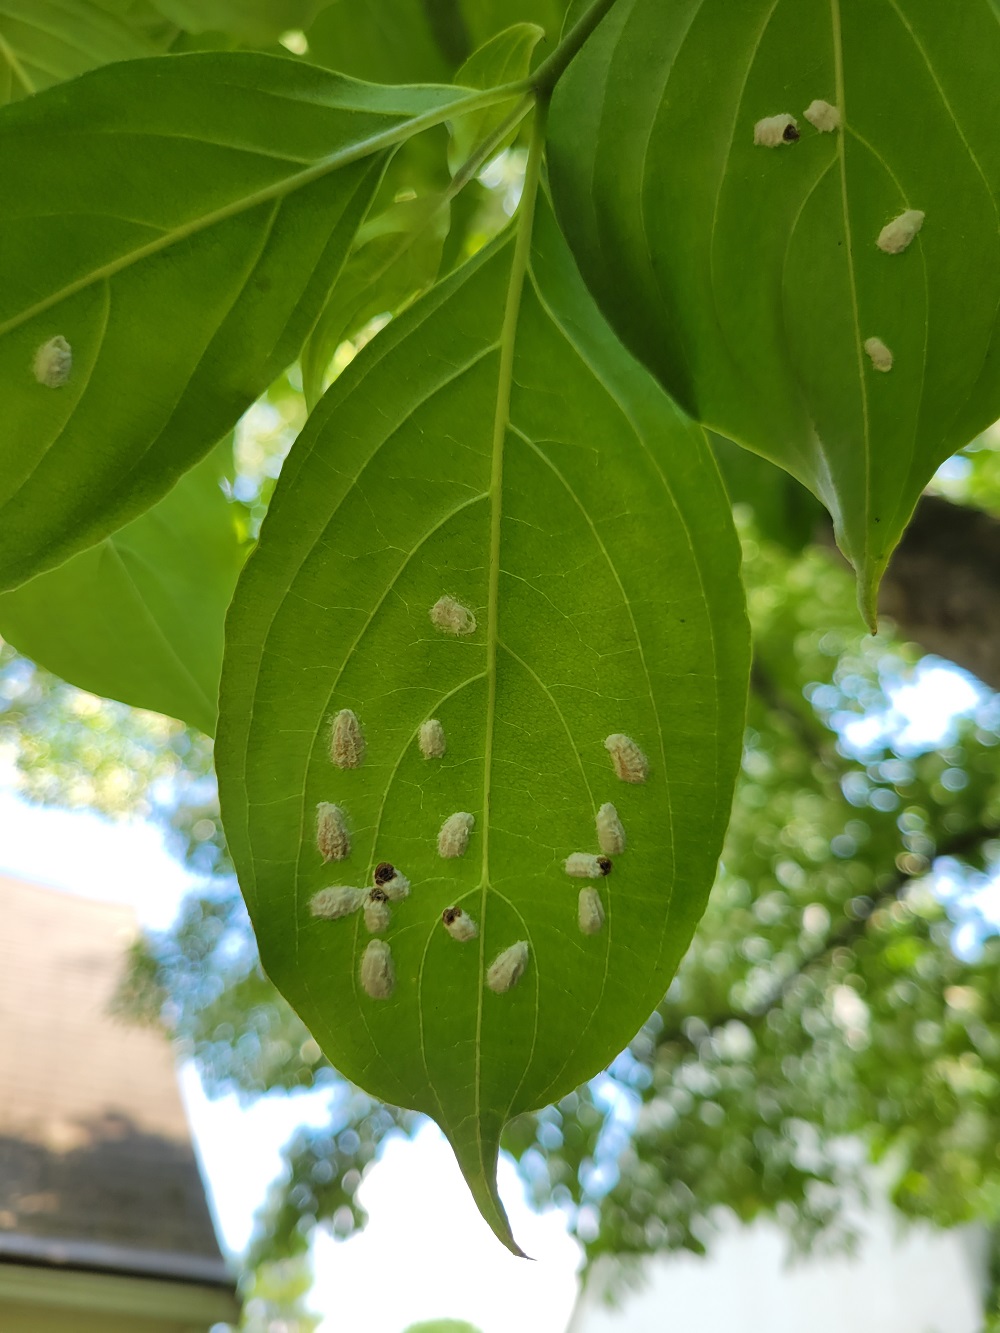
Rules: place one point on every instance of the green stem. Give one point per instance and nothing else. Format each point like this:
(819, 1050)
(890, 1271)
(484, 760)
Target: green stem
(551, 70)
(476, 160)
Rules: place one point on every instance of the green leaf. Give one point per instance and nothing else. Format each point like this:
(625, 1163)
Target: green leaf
(784, 511)
(749, 278)
(381, 40)
(43, 42)
(395, 256)
(485, 18)
(258, 21)
(140, 616)
(505, 58)
(420, 40)
(494, 444)
(212, 201)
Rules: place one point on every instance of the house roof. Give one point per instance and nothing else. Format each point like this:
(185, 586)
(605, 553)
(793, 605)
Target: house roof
(97, 1169)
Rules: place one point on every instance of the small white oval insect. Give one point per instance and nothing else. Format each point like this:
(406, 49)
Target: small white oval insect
(880, 355)
(584, 866)
(631, 765)
(610, 831)
(823, 116)
(896, 235)
(452, 617)
(453, 840)
(332, 837)
(377, 913)
(331, 904)
(458, 924)
(432, 742)
(773, 131)
(347, 742)
(394, 883)
(378, 976)
(590, 911)
(53, 363)
(508, 967)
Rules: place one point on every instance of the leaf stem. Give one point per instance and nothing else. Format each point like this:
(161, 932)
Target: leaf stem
(342, 157)
(480, 155)
(501, 421)
(551, 70)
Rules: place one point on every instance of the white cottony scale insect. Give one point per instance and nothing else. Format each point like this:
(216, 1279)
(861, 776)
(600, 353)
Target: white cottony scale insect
(392, 881)
(610, 832)
(631, 765)
(53, 363)
(432, 742)
(896, 235)
(458, 924)
(331, 904)
(773, 131)
(584, 866)
(453, 839)
(347, 742)
(377, 914)
(378, 976)
(332, 837)
(452, 617)
(880, 355)
(590, 911)
(507, 968)
(823, 116)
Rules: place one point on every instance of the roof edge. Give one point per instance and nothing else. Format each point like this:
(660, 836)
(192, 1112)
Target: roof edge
(103, 1258)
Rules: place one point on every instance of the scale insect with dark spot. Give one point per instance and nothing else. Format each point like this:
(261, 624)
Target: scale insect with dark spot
(458, 924)
(394, 883)
(582, 865)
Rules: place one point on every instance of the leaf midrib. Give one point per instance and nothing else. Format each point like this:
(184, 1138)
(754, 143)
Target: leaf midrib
(341, 158)
(501, 422)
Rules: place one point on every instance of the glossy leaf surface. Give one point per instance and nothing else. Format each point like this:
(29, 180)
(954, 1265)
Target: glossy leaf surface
(749, 278)
(495, 444)
(214, 199)
(139, 617)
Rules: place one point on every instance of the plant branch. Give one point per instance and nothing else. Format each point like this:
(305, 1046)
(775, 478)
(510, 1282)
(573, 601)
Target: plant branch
(846, 934)
(551, 70)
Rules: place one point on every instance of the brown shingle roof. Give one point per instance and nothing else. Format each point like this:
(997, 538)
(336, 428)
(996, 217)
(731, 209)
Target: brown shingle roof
(96, 1164)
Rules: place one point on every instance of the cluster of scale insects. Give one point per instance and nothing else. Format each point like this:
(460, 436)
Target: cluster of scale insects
(895, 236)
(390, 885)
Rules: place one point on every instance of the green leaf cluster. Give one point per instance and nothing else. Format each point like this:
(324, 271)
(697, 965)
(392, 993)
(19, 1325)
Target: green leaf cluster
(499, 519)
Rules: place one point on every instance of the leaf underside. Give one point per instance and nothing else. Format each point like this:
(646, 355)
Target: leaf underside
(214, 198)
(139, 617)
(748, 278)
(514, 457)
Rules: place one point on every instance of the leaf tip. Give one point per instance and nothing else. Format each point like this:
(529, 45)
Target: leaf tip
(477, 1160)
(868, 584)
